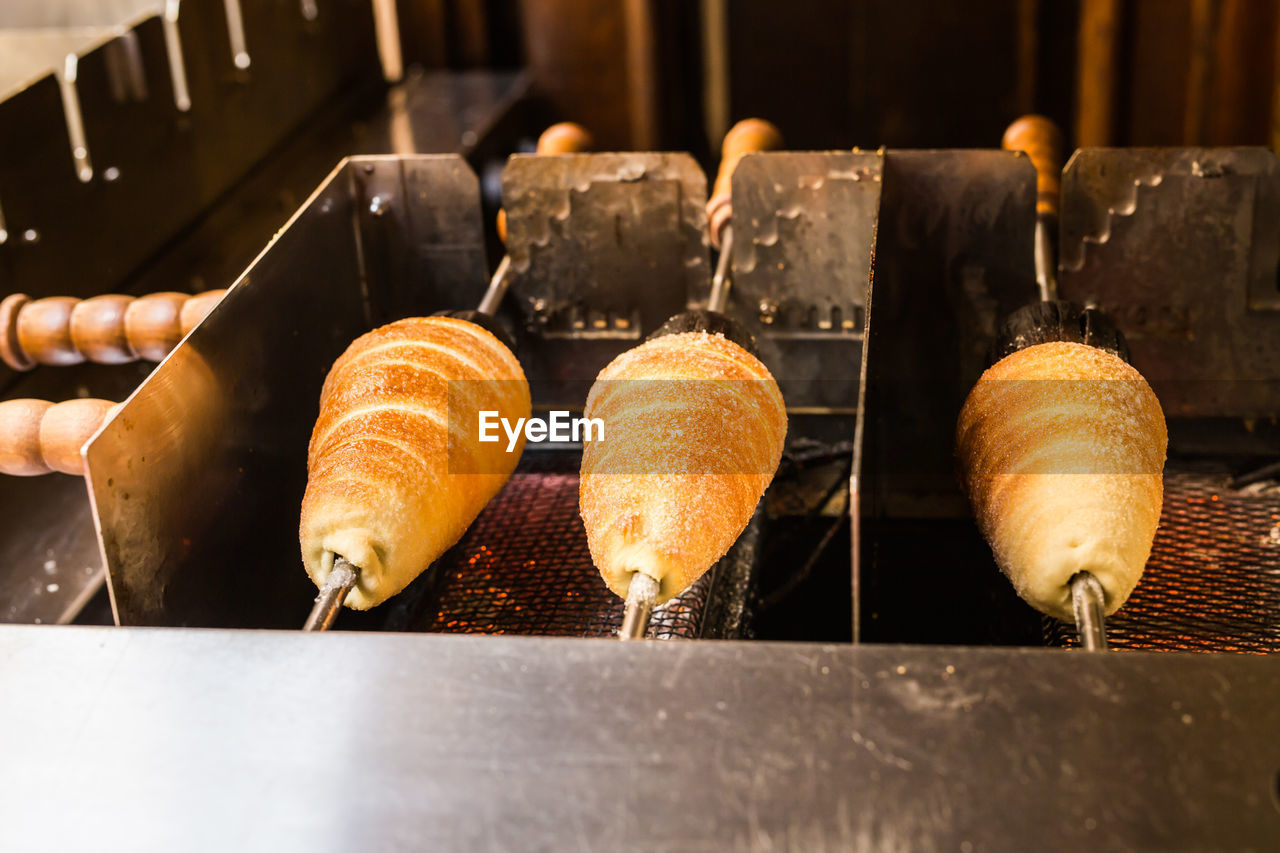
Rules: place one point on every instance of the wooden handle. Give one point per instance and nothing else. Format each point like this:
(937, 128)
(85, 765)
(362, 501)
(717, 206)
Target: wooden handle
(1040, 138)
(110, 329)
(39, 437)
(565, 137)
(746, 137)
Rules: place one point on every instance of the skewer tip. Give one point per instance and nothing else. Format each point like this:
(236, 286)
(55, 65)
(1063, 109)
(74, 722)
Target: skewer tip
(1088, 602)
(333, 592)
(642, 593)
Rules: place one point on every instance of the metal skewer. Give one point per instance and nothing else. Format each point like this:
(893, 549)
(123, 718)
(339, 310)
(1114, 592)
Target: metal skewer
(343, 575)
(641, 595)
(746, 137)
(1042, 142)
(341, 578)
(722, 281)
(1046, 268)
(497, 288)
(1088, 602)
(562, 138)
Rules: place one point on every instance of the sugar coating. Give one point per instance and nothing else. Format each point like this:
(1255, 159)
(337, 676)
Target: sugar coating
(685, 460)
(379, 487)
(1062, 449)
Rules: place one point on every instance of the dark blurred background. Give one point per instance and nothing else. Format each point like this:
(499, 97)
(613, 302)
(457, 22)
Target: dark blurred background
(673, 74)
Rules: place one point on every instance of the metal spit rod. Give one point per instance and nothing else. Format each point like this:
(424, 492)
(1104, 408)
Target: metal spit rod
(341, 578)
(641, 595)
(342, 574)
(1046, 269)
(748, 136)
(722, 281)
(497, 287)
(563, 138)
(1042, 141)
(1088, 602)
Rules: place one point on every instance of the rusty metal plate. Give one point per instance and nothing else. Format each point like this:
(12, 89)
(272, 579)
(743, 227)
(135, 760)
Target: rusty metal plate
(1180, 247)
(804, 234)
(604, 248)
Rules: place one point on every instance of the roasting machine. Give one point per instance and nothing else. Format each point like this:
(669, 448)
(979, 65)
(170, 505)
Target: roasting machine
(878, 682)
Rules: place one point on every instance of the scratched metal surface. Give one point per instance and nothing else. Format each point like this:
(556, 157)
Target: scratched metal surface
(180, 739)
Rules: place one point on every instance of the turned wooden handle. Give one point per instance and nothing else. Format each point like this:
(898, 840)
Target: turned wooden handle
(746, 137)
(566, 137)
(1040, 138)
(110, 329)
(39, 437)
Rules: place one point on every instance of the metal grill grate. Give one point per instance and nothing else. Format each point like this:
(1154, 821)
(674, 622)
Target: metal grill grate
(524, 568)
(1212, 583)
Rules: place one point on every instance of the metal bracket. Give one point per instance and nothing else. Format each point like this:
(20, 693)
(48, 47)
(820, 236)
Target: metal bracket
(1180, 246)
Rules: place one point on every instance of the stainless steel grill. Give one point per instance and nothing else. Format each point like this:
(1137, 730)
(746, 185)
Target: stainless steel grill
(1212, 583)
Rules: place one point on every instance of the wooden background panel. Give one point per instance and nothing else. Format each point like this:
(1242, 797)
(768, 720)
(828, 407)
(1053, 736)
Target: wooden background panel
(907, 73)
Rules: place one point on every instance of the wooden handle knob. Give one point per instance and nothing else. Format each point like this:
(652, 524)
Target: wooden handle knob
(1040, 138)
(746, 137)
(197, 308)
(566, 137)
(38, 437)
(109, 329)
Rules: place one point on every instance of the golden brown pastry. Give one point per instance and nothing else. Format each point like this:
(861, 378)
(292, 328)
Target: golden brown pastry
(393, 476)
(1062, 446)
(693, 433)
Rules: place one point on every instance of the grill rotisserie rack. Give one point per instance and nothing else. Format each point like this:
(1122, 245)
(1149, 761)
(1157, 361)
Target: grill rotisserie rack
(230, 422)
(951, 235)
(523, 568)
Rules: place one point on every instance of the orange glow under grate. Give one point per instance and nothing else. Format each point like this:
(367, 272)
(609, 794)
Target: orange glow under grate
(1212, 583)
(524, 568)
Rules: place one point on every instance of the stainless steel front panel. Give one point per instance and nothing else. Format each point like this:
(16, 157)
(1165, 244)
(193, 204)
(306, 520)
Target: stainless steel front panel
(144, 739)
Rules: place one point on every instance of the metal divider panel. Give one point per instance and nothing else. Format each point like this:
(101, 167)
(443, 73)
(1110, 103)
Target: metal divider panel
(420, 233)
(953, 258)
